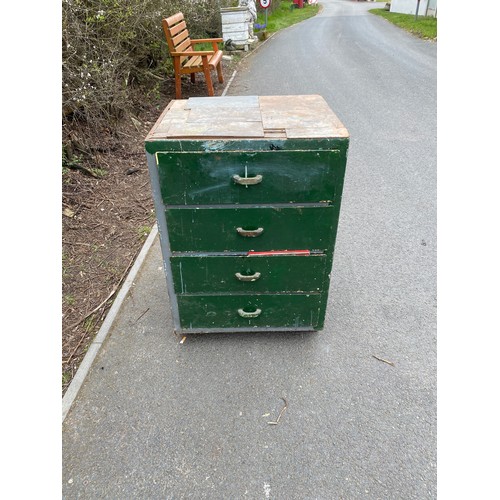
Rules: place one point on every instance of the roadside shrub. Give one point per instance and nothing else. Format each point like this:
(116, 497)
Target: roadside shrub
(112, 47)
(275, 4)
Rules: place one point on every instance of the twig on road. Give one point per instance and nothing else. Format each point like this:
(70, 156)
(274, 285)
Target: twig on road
(281, 413)
(383, 360)
(142, 315)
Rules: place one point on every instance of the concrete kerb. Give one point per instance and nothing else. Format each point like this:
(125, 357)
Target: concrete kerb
(85, 365)
(84, 368)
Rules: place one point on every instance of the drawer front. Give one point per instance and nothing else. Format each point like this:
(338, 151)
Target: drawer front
(244, 229)
(241, 311)
(214, 274)
(233, 177)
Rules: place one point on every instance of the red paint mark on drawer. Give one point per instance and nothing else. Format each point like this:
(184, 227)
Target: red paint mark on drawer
(278, 252)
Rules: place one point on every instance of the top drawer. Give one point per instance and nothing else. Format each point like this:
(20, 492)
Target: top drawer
(214, 178)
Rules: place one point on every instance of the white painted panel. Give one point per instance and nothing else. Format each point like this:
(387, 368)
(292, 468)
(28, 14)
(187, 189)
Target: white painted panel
(234, 17)
(409, 6)
(235, 27)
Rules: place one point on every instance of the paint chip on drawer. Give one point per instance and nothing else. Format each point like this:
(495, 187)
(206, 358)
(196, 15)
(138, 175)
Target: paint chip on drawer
(252, 253)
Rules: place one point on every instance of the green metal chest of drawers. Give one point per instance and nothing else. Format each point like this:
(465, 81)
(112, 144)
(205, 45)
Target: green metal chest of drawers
(247, 193)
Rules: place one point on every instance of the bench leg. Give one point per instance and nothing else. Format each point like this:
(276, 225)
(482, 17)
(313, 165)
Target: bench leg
(219, 73)
(193, 77)
(177, 70)
(208, 78)
(178, 92)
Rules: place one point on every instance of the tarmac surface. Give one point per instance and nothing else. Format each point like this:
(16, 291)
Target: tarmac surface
(157, 418)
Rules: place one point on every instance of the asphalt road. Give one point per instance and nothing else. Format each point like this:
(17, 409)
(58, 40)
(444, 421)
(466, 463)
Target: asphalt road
(160, 419)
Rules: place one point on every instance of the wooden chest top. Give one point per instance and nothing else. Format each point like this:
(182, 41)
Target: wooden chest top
(252, 117)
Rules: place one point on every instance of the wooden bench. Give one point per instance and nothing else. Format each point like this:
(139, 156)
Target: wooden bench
(186, 59)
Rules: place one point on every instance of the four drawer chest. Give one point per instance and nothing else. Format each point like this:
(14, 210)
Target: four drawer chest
(247, 194)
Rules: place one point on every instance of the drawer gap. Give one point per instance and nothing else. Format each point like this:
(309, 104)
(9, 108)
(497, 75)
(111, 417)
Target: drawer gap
(271, 253)
(323, 203)
(252, 293)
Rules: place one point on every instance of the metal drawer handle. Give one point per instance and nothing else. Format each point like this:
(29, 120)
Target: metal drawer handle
(247, 181)
(253, 314)
(251, 277)
(250, 233)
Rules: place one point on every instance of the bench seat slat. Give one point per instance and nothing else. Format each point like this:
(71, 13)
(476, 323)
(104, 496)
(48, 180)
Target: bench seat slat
(178, 28)
(193, 62)
(181, 37)
(175, 18)
(184, 46)
(197, 61)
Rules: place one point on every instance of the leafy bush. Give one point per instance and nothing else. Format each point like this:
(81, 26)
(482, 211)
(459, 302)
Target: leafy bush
(275, 5)
(111, 47)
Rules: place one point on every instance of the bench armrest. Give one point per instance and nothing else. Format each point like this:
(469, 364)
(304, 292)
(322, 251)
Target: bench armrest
(193, 53)
(207, 40)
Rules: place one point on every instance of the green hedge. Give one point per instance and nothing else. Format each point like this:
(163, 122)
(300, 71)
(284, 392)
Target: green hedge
(111, 47)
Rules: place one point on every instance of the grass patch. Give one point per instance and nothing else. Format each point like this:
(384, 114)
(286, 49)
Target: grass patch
(285, 15)
(207, 46)
(144, 231)
(423, 27)
(66, 377)
(70, 300)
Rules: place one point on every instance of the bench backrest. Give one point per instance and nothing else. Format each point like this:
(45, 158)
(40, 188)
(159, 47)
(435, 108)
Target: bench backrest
(177, 34)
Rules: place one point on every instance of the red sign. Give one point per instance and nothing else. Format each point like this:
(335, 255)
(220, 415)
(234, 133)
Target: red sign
(265, 3)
